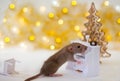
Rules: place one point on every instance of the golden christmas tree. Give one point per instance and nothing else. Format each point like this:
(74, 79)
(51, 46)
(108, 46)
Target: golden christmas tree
(94, 32)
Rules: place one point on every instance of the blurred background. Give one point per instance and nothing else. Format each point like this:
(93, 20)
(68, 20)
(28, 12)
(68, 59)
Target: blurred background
(51, 24)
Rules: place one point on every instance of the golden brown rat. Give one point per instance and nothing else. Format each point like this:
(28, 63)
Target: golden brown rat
(52, 64)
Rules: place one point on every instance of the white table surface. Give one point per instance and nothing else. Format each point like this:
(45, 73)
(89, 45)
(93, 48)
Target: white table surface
(31, 62)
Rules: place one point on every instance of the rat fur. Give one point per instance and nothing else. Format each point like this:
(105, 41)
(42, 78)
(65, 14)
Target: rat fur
(53, 63)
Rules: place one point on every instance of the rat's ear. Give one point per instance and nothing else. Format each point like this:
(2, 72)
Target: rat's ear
(70, 48)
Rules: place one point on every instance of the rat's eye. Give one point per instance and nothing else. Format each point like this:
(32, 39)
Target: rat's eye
(78, 46)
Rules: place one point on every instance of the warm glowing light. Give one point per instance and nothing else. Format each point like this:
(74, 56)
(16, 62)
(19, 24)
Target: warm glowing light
(60, 26)
(118, 20)
(23, 45)
(32, 38)
(65, 10)
(6, 39)
(58, 40)
(15, 29)
(45, 39)
(117, 8)
(25, 9)
(1, 44)
(51, 15)
(74, 3)
(106, 3)
(108, 38)
(99, 20)
(55, 3)
(52, 47)
(77, 28)
(42, 9)
(12, 6)
(60, 21)
(37, 23)
(4, 20)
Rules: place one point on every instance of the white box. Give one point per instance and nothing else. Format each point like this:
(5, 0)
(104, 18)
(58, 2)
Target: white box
(89, 64)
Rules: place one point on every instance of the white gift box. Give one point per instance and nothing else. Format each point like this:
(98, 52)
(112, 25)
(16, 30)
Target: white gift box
(8, 67)
(89, 63)
(80, 64)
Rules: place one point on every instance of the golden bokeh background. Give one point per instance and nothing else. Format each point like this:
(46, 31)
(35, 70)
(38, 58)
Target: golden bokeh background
(24, 25)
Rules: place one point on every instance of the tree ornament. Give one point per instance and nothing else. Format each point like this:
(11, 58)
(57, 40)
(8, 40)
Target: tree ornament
(94, 33)
(93, 43)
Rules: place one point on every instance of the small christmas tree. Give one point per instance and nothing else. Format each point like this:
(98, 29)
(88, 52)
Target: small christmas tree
(94, 35)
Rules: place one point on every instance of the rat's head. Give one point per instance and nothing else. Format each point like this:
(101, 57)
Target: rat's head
(77, 48)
